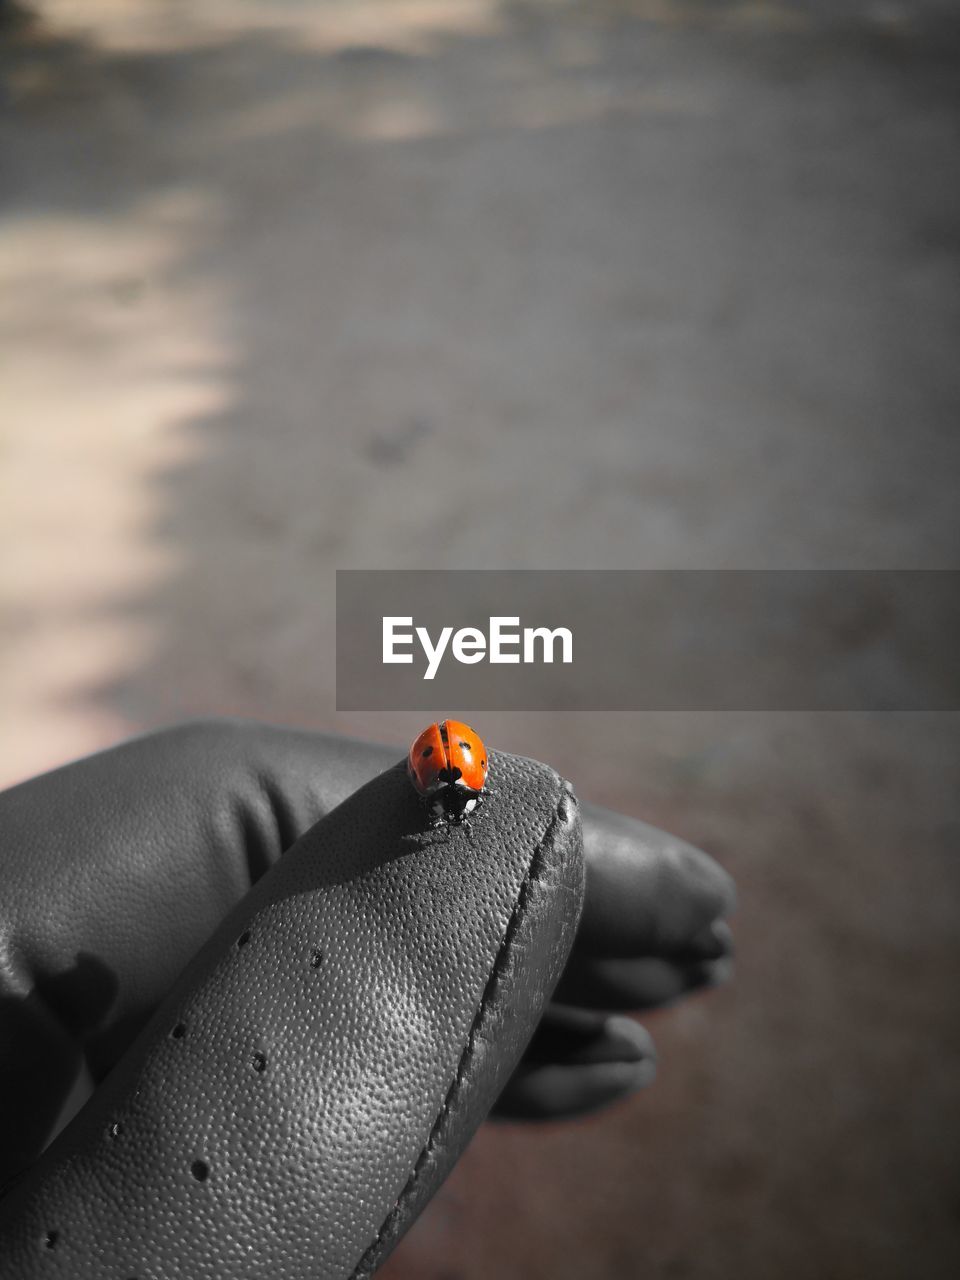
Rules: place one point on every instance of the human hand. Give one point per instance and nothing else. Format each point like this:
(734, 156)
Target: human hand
(119, 867)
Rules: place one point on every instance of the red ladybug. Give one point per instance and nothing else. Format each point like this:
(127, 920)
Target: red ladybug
(447, 765)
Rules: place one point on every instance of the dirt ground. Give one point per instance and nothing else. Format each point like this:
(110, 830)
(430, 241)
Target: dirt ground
(290, 287)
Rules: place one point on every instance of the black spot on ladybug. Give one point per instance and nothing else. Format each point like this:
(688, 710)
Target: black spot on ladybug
(483, 764)
(450, 775)
(427, 751)
(465, 746)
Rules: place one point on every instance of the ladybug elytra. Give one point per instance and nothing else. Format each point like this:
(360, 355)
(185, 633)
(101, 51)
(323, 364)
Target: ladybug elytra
(447, 765)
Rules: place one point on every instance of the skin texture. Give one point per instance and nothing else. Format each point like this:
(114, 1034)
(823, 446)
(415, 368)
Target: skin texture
(116, 869)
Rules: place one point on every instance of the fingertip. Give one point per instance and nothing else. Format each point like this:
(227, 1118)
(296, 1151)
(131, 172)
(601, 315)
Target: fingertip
(702, 874)
(718, 972)
(713, 942)
(618, 1080)
(724, 935)
(560, 1092)
(629, 1039)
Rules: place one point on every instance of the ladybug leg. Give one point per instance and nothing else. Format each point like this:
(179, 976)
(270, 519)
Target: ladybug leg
(462, 820)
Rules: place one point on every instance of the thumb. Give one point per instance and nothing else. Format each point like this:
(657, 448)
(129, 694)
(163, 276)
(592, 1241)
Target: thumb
(323, 1060)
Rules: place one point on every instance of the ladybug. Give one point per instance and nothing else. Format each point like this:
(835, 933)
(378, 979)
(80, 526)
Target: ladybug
(447, 765)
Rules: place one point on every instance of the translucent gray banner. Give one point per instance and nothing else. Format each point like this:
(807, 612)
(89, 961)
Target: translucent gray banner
(648, 640)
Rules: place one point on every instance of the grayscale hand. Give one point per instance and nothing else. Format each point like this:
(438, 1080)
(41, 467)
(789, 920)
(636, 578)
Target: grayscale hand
(147, 876)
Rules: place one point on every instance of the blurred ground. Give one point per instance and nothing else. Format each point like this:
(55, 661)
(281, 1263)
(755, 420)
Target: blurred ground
(288, 287)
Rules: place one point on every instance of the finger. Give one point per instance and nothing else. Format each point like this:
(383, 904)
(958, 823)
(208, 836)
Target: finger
(116, 868)
(330, 1050)
(578, 1061)
(634, 985)
(648, 893)
(560, 1092)
(568, 1036)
